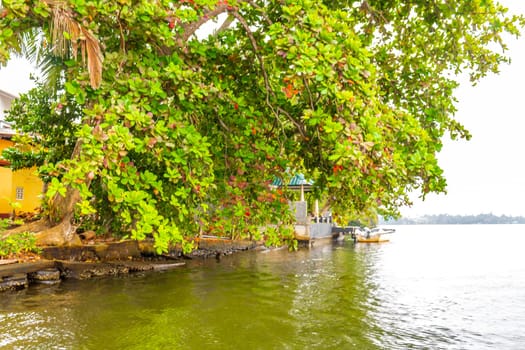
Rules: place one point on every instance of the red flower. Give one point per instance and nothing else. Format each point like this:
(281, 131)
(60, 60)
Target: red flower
(337, 168)
(289, 91)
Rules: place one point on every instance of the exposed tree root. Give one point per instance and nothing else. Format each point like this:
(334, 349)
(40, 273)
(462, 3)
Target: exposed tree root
(47, 234)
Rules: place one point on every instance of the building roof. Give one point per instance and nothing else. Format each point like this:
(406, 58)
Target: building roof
(295, 182)
(7, 94)
(6, 132)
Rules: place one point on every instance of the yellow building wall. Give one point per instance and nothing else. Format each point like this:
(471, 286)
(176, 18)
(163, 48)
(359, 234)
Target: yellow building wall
(6, 180)
(5, 144)
(26, 181)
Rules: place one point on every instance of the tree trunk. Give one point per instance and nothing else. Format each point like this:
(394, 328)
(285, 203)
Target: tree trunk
(63, 207)
(61, 230)
(56, 229)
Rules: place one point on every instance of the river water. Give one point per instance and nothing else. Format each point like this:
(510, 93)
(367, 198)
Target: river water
(430, 287)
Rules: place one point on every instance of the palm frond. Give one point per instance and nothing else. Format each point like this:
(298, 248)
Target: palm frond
(51, 70)
(68, 36)
(35, 48)
(94, 58)
(31, 44)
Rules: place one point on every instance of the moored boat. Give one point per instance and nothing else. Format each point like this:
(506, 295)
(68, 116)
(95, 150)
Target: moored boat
(375, 235)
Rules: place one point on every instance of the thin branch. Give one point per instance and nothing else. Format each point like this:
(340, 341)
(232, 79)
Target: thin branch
(299, 126)
(122, 39)
(269, 90)
(268, 20)
(310, 97)
(255, 48)
(221, 122)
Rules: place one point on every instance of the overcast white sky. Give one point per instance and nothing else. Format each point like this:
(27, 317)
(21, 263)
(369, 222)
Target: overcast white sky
(487, 173)
(484, 175)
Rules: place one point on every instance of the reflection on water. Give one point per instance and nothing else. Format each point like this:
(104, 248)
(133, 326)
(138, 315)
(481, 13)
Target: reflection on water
(431, 287)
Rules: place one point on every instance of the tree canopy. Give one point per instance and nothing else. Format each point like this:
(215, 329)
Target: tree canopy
(190, 108)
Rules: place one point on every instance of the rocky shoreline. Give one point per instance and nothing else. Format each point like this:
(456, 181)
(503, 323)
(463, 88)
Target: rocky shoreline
(107, 259)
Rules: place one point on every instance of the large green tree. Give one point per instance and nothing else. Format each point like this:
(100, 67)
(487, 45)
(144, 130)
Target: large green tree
(191, 107)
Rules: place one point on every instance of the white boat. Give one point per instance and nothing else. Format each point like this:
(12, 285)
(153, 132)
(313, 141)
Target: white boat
(375, 235)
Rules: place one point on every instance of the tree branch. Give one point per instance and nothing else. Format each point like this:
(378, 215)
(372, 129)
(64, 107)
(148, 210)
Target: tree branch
(190, 28)
(226, 24)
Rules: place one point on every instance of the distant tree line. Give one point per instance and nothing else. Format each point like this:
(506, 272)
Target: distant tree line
(446, 219)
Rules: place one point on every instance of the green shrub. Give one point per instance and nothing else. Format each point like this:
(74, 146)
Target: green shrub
(24, 242)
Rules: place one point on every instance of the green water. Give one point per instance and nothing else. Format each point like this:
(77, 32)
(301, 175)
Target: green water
(419, 291)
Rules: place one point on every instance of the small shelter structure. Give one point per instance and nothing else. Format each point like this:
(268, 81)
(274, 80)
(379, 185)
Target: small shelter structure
(306, 227)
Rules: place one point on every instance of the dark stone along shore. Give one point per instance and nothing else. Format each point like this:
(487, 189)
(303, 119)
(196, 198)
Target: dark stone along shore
(107, 259)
